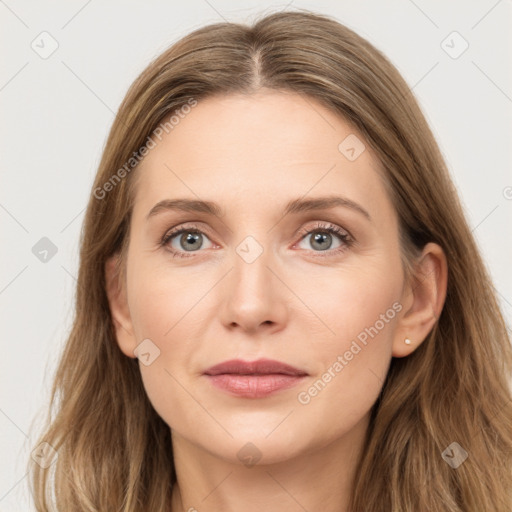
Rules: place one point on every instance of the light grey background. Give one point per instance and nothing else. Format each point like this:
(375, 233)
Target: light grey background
(56, 113)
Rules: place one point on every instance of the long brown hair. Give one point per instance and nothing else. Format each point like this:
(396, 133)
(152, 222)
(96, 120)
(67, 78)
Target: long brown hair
(114, 452)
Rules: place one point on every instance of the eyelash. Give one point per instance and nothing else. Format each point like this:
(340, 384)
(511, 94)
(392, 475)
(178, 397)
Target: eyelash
(332, 229)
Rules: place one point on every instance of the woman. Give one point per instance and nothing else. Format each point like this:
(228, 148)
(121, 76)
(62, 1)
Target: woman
(280, 305)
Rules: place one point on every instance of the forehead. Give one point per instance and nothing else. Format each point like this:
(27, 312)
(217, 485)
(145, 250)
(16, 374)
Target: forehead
(266, 125)
(243, 148)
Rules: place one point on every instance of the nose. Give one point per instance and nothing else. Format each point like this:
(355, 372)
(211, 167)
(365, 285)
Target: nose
(253, 297)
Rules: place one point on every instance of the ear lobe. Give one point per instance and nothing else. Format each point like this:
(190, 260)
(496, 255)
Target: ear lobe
(425, 295)
(119, 311)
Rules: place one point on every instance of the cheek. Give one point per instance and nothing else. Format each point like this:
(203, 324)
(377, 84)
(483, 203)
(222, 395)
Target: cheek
(358, 310)
(165, 307)
(349, 301)
(161, 300)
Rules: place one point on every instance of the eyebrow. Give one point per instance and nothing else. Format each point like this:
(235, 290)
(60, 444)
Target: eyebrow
(293, 207)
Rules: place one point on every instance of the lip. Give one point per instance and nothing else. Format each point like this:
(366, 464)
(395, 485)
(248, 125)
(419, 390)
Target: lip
(258, 367)
(254, 379)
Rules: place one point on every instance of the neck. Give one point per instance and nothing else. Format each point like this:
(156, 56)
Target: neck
(317, 479)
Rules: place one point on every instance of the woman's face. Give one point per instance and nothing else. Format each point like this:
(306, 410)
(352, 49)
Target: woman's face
(277, 272)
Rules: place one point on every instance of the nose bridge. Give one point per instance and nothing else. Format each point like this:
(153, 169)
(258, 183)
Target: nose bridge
(251, 274)
(253, 295)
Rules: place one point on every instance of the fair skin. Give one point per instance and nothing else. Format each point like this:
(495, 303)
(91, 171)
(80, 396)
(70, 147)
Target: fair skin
(296, 302)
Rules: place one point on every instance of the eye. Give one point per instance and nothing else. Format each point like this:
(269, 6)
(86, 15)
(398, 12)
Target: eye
(185, 239)
(326, 238)
(322, 238)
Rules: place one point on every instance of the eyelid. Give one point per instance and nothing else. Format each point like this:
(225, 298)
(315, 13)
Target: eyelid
(322, 225)
(188, 226)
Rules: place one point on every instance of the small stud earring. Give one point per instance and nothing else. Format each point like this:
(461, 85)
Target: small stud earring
(407, 341)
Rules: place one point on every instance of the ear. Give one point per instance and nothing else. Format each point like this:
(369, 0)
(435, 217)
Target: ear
(119, 311)
(423, 300)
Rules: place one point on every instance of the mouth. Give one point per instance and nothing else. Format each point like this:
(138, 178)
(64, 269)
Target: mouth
(259, 367)
(254, 379)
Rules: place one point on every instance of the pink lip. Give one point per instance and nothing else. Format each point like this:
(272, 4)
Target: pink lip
(254, 379)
